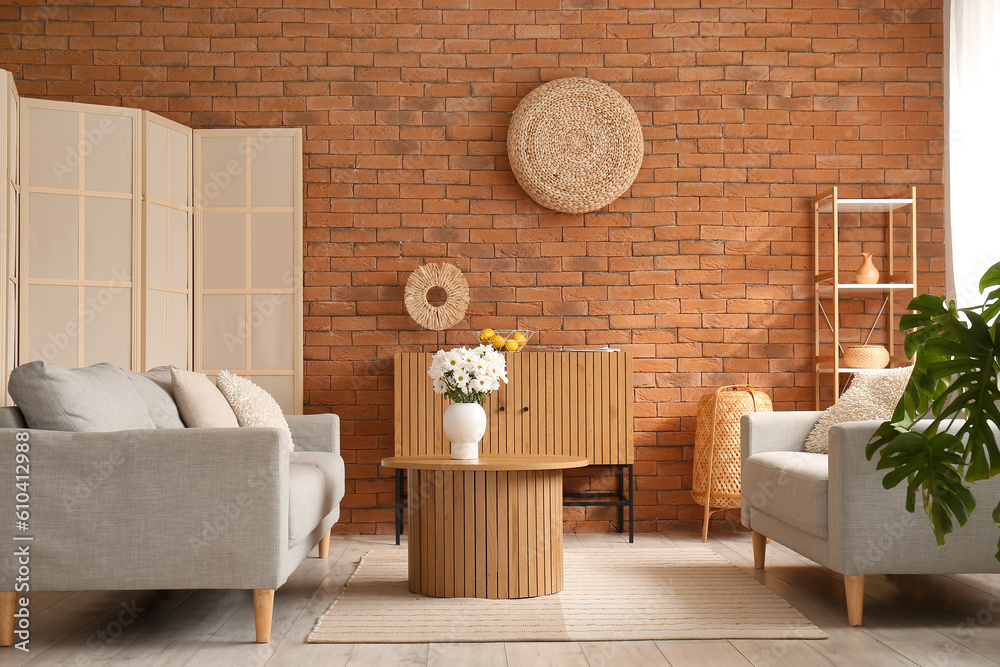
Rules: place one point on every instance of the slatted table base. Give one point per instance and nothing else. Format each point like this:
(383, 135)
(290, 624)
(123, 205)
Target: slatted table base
(485, 534)
(621, 498)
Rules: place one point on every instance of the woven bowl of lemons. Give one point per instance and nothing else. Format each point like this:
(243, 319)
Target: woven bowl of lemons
(506, 340)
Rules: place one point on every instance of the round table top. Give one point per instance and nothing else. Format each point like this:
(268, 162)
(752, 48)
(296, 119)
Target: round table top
(488, 462)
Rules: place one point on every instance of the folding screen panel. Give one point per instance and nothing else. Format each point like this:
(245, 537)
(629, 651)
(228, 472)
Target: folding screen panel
(79, 234)
(167, 244)
(248, 257)
(135, 241)
(8, 224)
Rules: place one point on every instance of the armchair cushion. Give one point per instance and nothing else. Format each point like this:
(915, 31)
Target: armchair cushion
(99, 398)
(873, 394)
(790, 486)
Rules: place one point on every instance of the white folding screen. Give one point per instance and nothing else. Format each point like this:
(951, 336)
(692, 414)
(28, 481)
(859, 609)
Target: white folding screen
(131, 239)
(79, 234)
(9, 193)
(167, 244)
(248, 257)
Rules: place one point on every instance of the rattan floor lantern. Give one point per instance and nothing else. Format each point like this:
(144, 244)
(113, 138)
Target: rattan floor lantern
(716, 484)
(575, 145)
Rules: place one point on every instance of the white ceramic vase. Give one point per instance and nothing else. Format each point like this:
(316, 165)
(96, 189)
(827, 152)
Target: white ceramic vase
(465, 426)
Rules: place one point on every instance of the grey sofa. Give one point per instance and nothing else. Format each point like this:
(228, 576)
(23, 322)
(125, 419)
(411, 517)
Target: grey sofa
(169, 508)
(833, 509)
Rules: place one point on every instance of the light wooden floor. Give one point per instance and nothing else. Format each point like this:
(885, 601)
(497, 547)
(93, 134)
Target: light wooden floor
(923, 620)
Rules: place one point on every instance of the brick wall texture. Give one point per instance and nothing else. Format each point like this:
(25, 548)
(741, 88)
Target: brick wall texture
(703, 269)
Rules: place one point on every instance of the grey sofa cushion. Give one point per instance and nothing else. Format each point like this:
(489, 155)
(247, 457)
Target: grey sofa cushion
(306, 500)
(156, 390)
(96, 398)
(790, 486)
(315, 488)
(332, 467)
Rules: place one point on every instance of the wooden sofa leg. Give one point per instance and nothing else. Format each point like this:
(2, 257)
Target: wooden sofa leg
(8, 602)
(263, 605)
(854, 586)
(759, 547)
(324, 545)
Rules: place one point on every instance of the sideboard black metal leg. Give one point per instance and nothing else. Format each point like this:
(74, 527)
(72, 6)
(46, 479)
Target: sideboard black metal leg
(621, 496)
(631, 506)
(399, 504)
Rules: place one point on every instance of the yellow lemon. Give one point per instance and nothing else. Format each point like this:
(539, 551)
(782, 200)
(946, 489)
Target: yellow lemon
(512, 344)
(520, 338)
(498, 341)
(486, 335)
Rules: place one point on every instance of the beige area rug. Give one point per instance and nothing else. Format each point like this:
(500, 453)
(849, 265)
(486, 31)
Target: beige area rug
(685, 592)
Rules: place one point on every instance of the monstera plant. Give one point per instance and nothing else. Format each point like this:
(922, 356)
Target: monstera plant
(954, 385)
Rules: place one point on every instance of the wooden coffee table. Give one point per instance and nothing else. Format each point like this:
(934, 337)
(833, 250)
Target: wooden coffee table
(487, 528)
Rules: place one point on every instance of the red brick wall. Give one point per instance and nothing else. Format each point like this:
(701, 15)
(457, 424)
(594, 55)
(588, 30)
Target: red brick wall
(702, 269)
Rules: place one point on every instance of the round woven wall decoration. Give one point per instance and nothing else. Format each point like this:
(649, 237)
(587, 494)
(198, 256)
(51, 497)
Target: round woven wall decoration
(575, 145)
(426, 278)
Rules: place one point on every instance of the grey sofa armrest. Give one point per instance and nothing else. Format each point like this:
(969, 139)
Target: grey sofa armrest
(849, 467)
(871, 531)
(162, 508)
(315, 433)
(866, 521)
(775, 431)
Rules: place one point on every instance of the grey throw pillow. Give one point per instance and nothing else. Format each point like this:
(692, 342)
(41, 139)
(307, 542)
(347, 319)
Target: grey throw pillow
(155, 387)
(97, 398)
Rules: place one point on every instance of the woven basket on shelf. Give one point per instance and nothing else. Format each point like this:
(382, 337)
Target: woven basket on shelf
(575, 145)
(865, 356)
(716, 484)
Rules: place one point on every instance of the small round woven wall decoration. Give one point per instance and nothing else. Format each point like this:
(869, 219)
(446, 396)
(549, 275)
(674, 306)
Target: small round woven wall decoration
(575, 145)
(426, 278)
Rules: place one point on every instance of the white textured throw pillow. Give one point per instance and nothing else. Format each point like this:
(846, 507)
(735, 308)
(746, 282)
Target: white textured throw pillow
(253, 406)
(872, 395)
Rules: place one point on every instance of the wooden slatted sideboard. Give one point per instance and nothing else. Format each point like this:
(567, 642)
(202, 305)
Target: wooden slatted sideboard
(563, 403)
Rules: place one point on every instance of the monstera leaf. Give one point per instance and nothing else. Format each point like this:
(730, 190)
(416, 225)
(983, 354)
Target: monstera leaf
(954, 386)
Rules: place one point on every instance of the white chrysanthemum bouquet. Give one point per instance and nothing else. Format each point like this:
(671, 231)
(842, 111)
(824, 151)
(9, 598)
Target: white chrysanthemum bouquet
(467, 376)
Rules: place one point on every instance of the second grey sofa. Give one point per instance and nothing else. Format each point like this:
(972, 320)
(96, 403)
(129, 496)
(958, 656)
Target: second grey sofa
(832, 508)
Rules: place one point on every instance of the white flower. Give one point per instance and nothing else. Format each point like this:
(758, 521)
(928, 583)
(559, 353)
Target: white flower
(467, 375)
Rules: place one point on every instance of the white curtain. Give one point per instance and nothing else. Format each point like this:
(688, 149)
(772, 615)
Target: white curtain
(973, 145)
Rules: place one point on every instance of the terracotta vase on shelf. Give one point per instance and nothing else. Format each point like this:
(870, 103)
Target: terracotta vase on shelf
(867, 274)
